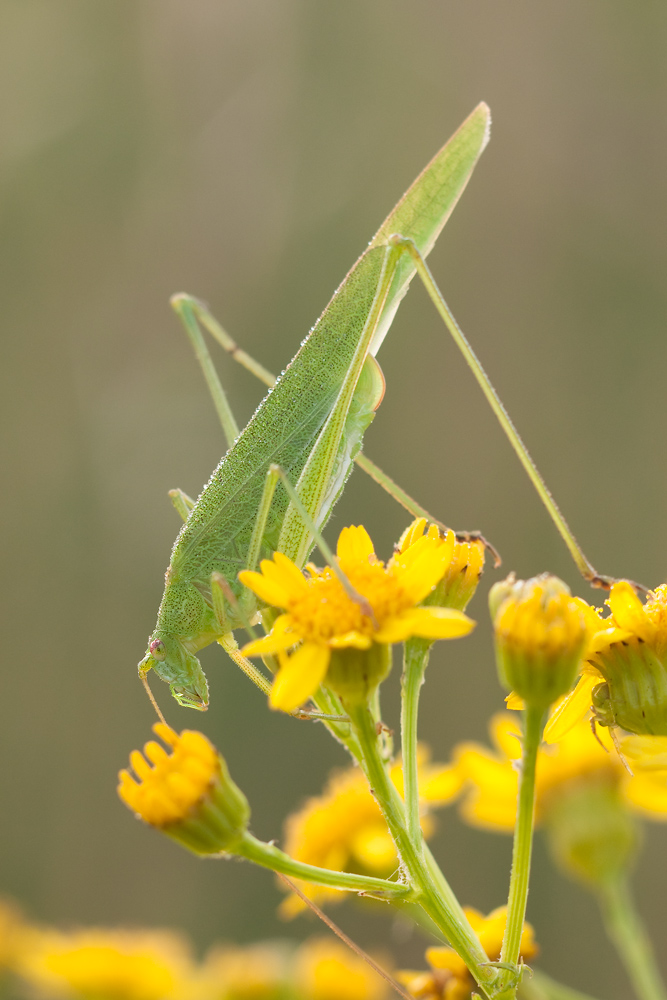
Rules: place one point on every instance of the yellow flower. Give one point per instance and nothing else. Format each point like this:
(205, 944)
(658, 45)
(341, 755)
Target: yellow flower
(584, 796)
(490, 779)
(624, 680)
(187, 794)
(324, 969)
(254, 972)
(108, 965)
(463, 572)
(540, 633)
(448, 978)
(343, 828)
(325, 618)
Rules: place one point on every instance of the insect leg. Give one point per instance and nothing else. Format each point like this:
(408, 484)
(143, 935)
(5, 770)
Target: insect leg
(585, 567)
(183, 306)
(200, 312)
(182, 502)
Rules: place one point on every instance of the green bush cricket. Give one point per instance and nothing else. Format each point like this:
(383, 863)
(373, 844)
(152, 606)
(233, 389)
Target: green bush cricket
(310, 425)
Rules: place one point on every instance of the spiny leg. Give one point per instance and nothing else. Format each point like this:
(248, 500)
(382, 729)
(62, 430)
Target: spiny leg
(584, 566)
(192, 310)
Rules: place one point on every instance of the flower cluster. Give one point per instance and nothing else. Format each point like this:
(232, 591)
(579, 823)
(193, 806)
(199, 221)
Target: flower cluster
(113, 964)
(624, 677)
(448, 977)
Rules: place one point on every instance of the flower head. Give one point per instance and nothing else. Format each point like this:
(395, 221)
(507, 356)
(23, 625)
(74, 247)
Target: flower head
(540, 637)
(449, 978)
(324, 969)
(252, 972)
(107, 965)
(188, 793)
(624, 678)
(324, 618)
(343, 828)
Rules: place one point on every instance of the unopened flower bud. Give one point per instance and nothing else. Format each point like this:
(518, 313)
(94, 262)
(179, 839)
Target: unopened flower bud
(187, 794)
(540, 636)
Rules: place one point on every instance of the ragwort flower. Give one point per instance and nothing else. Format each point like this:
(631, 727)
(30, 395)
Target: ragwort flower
(324, 969)
(251, 972)
(584, 796)
(187, 794)
(624, 679)
(339, 638)
(449, 978)
(96, 964)
(343, 828)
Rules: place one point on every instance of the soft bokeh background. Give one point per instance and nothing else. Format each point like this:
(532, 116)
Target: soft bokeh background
(245, 151)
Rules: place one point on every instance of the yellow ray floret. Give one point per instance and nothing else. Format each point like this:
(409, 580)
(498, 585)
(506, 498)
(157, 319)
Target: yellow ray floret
(321, 615)
(171, 785)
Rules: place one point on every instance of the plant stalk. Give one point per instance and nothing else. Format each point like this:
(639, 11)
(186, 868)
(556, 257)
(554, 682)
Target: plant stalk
(626, 930)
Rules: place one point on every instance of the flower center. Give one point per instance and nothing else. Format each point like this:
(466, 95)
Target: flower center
(325, 609)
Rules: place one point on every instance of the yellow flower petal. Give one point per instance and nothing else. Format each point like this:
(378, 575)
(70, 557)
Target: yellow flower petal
(428, 623)
(283, 572)
(299, 676)
(373, 848)
(354, 545)
(605, 638)
(628, 611)
(276, 641)
(423, 565)
(266, 590)
(411, 534)
(572, 709)
(441, 786)
(647, 791)
(646, 752)
(514, 702)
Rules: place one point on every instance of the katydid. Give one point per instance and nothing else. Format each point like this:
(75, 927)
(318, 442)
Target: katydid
(311, 425)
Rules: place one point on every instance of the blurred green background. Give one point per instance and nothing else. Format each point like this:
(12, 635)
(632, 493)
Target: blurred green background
(245, 151)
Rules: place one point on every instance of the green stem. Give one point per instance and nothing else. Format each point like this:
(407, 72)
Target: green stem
(434, 893)
(626, 930)
(523, 842)
(414, 665)
(269, 856)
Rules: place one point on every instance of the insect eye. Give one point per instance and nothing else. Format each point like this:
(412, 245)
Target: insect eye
(157, 650)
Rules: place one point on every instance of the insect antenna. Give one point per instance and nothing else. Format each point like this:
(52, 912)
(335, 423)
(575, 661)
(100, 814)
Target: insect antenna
(144, 681)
